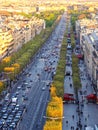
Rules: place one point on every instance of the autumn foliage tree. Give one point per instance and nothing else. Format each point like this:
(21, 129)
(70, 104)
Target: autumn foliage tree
(54, 112)
(5, 63)
(2, 86)
(10, 72)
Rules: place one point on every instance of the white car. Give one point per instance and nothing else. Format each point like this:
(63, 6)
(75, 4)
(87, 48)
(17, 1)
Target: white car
(19, 87)
(43, 88)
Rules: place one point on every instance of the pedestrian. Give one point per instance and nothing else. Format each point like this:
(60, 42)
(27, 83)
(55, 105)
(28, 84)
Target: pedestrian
(86, 85)
(66, 122)
(85, 92)
(72, 127)
(81, 112)
(73, 117)
(80, 126)
(85, 119)
(85, 126)
(70, 85)
(82, 105)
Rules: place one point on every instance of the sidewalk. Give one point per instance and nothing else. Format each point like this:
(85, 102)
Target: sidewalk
(85, 81)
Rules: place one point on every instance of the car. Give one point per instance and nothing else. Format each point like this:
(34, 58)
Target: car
(2, 121)
(23, 95)
(31, 80)
(16, 108)
(14, 95)
(17, 93)
(68, 73)
(19, 113)
(23, 88)
(48, 83)
(68, 63)
(0, 114)
(14, 112)
(25, 98)
(5, 126)
(4, 110)
(6, 99)
(18, 116)
(10, 117)
(13, 125)
(46, 68)
(4, 93)
(1, 125)
(22, 107)
(28, 86)
(5, 116)
(15, 120)
(19, 87)
(26, 83)
(8, 121)
(43, 88)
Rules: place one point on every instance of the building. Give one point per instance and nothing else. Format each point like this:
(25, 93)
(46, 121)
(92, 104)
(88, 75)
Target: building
(6, 43)
(16, 31)
(87, 32)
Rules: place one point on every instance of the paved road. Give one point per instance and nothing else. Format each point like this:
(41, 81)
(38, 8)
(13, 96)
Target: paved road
(38, 94)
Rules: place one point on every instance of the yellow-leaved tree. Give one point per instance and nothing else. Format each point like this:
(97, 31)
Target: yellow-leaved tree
(10, 72)
(2, 86)
(54, 111)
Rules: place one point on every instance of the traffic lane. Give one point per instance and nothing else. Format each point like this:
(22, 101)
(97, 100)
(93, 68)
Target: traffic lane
(27, 93)
(34, 111)
(35, 69)
(40, 112)
(22, 102)
(67, 87)
(33, 105)
(31, 109)
(89, 116)
(24, 89)
(70, 115)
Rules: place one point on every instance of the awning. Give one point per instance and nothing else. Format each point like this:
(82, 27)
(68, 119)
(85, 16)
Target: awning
(91, 96)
